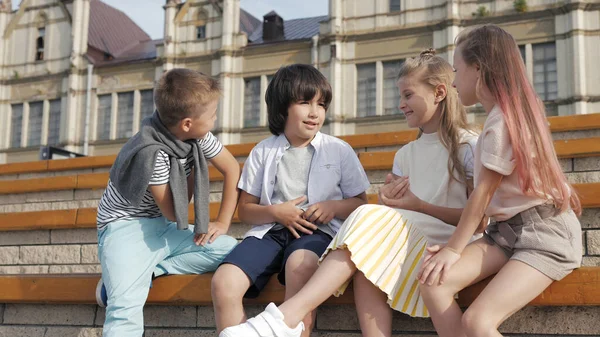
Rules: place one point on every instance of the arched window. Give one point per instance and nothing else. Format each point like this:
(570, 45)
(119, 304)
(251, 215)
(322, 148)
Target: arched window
(201, 19)
(41, 22)
(39, 53)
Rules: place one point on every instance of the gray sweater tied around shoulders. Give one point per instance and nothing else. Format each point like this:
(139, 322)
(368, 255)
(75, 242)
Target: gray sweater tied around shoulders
(133, 168)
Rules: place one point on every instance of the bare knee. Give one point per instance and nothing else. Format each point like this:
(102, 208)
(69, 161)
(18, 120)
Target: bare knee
(301, 265)
(477, 323)
(229, 283)
(436, 291)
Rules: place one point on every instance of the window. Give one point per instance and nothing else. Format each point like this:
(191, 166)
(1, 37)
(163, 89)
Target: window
(54, 122)
(522, 51)
(390, 90)
(36, 115)
(252, 102)
(544, 71)
(394, 5)
(365, 90)
(201, 32)
(103, 121)
(16, 125)
(39, 54)
(146, 104)
(125, 115)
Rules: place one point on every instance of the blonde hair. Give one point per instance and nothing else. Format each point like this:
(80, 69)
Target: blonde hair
(433, 70)
(179, 91)
(503, 72)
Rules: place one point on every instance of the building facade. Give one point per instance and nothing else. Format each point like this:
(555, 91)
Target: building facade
(78, 74)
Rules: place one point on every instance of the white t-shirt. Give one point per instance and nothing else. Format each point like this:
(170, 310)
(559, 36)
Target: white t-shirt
(425, 162)
(428, 174)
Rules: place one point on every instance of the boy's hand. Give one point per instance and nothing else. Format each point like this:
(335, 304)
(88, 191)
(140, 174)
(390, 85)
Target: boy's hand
(321, 212)
(394, 188)
(290, 217)
(215, 229)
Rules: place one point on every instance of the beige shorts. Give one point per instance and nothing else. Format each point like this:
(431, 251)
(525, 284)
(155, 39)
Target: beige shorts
(548, 242)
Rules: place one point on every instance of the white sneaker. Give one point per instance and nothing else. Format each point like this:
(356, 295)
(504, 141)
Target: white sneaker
(269, 323)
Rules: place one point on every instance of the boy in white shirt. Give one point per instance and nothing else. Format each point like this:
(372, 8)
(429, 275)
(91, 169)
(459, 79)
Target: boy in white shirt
(297, 187)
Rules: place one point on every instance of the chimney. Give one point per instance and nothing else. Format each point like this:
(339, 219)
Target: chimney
(273, 27)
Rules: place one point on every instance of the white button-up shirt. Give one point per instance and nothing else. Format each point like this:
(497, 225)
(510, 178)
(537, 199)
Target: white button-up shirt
(335, 174)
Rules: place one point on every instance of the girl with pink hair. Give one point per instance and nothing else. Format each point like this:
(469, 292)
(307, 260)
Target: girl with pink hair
(534, 236)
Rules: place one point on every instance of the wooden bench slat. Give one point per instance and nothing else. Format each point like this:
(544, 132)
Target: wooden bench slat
(27, 167)
(574, 122)
(577, 148)
(81, 163)
(380, 139)
(38, 185)
(86, 217)
(557, 124)
(582, 287)
(55, 219)
(370, 160)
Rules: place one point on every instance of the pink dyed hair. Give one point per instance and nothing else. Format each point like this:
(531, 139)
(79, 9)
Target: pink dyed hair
(503, 73)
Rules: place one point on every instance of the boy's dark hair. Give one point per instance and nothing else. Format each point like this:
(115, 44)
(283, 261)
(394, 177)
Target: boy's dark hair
(179, 91)
(293, 83)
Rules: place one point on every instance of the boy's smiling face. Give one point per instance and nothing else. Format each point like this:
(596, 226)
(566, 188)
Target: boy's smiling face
(304, 120)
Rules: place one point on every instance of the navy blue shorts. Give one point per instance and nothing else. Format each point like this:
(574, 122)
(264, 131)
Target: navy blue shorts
(261, 258)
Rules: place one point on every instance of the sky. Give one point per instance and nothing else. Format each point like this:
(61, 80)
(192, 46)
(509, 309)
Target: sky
(149, 14)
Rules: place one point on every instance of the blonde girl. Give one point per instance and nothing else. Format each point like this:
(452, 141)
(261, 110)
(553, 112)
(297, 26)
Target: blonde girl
(534, 236)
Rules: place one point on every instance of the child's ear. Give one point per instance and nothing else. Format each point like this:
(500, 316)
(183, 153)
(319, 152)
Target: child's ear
(440, 92)
(186, 124)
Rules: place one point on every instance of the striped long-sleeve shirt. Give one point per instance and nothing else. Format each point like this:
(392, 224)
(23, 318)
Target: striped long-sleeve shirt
(113, 206)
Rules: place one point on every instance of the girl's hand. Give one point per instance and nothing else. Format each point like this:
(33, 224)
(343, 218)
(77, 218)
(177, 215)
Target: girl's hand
(437, 265)
(408, 201)
(394, 188)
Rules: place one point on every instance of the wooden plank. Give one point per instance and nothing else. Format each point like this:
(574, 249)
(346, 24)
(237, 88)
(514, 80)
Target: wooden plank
(59, 289)
(92, 181)
(86, 217)
(380, 139)
(38, 185)
(557, 124)
(577, 148)
(589, 194)
(241, 150)
(74, 218)
(81, 163)
(27, 167)
(21, 221)
(581, 287)
(574, 122)
(377, 160)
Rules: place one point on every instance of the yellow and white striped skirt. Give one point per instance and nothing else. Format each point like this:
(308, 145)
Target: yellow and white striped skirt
(388, 245)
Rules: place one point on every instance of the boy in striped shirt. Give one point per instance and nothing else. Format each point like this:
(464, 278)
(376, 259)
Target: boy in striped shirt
(143, 229)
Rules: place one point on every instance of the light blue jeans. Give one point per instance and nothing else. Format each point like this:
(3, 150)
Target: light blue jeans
(130, 251)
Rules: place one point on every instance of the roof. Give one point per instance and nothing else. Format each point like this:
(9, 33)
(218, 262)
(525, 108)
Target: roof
(112, 31)
(297, 29)
(248, 23)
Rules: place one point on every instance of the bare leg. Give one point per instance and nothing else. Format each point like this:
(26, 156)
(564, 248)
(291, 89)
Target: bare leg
(335, 270)
(374, 314)
(300, 266)
(228, 286)
(479, 260)
(503, 297)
